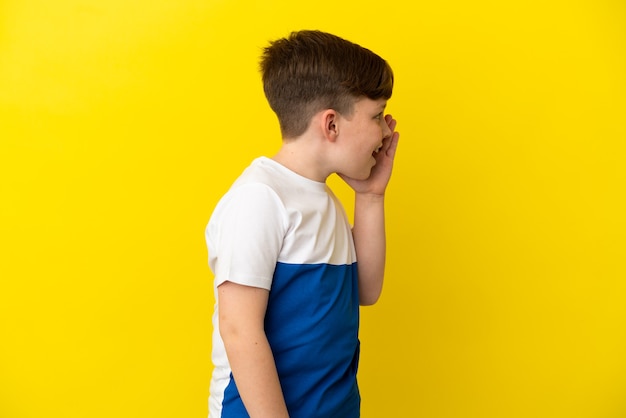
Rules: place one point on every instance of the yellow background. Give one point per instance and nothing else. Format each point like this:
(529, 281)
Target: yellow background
(122, 122)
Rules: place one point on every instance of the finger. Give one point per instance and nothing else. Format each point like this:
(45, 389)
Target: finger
(393, 145)
(388, 141)
(391, 122)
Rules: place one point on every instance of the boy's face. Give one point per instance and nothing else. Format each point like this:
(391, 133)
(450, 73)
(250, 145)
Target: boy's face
(360, 135)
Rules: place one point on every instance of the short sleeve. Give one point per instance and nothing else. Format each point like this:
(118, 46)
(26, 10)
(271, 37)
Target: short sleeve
(245, 235)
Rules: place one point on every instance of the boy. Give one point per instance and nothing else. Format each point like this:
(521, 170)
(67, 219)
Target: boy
(287, 282)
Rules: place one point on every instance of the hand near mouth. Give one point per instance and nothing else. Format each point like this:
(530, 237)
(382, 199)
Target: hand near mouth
(377, 182)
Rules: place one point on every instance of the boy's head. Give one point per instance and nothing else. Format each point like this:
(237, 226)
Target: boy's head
(310, 71)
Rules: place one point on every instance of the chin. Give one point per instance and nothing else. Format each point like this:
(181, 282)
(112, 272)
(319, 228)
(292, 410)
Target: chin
(361, 175)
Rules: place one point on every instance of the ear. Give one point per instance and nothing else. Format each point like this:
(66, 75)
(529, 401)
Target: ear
(329, 122)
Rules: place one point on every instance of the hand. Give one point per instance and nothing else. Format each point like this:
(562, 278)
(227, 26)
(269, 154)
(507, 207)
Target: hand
(377, 182)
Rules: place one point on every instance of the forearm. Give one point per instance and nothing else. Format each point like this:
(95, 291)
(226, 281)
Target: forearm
(241, 314)
(370, 243)
(254, 371)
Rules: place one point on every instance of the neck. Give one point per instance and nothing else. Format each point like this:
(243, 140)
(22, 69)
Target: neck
(303, 157)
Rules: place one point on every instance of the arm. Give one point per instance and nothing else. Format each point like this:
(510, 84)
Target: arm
(241, 315)
(370, 244)
(369, 218)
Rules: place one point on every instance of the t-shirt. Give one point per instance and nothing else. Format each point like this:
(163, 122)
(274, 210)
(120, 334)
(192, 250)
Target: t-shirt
(277, 230)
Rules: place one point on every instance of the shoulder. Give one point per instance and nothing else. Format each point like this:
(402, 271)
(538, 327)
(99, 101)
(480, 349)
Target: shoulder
(250, 200)
(253, 197)
(262, 170)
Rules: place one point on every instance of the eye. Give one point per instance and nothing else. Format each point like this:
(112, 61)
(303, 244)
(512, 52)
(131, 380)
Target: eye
(379, 116)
